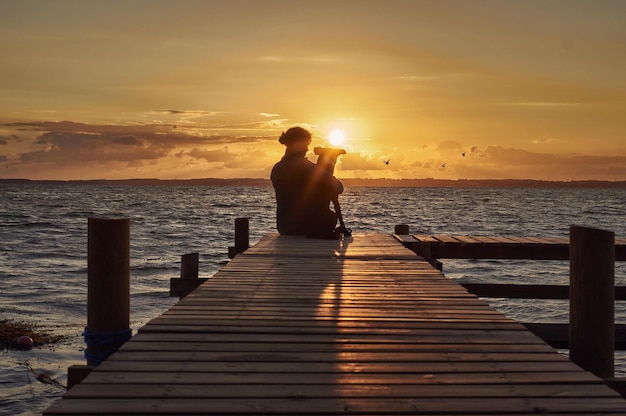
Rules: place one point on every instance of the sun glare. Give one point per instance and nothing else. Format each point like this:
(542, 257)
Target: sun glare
(336, 137)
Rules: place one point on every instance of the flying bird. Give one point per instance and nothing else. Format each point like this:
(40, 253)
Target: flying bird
(463, 154)
(386, 161)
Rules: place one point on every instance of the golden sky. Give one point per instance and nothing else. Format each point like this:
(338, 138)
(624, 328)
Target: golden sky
(181, 89)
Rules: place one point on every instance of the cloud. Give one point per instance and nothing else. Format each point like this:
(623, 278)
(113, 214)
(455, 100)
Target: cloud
(7, 139)
(543, 140)
(65, 144)
(274, 124)
(297, 59)
(416, 78)
(77, 150)
(74, 127)
(249, 158)
(360, 162)
(499, 162)
(189, 112)
(449, 146)
(546, 104)
(65, 147)
(127, 141)
(211, 156)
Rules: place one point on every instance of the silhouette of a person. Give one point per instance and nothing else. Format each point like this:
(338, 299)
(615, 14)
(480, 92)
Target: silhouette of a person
(303, 190)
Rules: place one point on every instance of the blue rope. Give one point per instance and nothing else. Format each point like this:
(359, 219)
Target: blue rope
(101, 345)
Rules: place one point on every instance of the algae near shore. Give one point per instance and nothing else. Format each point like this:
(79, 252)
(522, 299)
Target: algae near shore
(11, 330)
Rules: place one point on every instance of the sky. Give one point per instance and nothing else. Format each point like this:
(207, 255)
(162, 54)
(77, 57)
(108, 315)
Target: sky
(187, 89)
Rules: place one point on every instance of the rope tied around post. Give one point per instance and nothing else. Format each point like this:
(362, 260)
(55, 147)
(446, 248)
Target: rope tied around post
(101, 345)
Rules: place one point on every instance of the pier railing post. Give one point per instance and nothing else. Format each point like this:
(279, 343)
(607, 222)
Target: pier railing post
(188, 280)
(242, 234)
(189, 265)
(242, 237)
(592, 300)
(108, 286)
(108, 293)
(401, 229)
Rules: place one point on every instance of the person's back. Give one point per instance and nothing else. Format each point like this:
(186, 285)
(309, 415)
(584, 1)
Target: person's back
(303, 190)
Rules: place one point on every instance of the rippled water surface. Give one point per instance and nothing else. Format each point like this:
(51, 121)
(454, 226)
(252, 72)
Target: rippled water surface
(43, 250)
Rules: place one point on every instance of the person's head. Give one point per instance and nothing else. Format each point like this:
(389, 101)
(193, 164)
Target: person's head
(296, 139)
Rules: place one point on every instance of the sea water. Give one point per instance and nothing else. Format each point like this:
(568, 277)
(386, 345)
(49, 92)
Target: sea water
(43, 251)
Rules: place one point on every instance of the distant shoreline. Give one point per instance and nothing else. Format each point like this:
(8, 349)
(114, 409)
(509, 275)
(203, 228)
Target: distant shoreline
(348, 182)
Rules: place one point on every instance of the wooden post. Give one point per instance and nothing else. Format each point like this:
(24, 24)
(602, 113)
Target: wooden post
(108, 287)
(108, 291)
(188, 280)
(189, 266)
(77, 373)
(592, 299)
(242, 235)
(401, 229)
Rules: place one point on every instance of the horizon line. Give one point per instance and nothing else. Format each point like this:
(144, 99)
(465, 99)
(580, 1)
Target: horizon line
(358, 182)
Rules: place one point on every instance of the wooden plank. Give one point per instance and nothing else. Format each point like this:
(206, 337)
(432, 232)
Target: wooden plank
(434, 345)
(409, 359)
(467, 239)
(447, 239)
(354, 405)
(487, 240)
(405, 238)
(522, 240)
(505, 239)
(558, 240)
(415, 329)
(452, 336)
(209, 372)
(323, 391)
(423, 238)
(351, 374)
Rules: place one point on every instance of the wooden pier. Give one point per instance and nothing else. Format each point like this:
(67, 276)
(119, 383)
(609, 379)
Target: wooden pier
(295, 326)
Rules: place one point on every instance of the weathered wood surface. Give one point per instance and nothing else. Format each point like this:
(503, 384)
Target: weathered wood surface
(361, 326)
(495, 247)
(527, 291)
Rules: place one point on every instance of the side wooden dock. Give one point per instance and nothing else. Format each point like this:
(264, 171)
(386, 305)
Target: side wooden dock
(442, 246)
(360, 326)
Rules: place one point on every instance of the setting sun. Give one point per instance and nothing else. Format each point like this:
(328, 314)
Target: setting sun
(336, 137)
